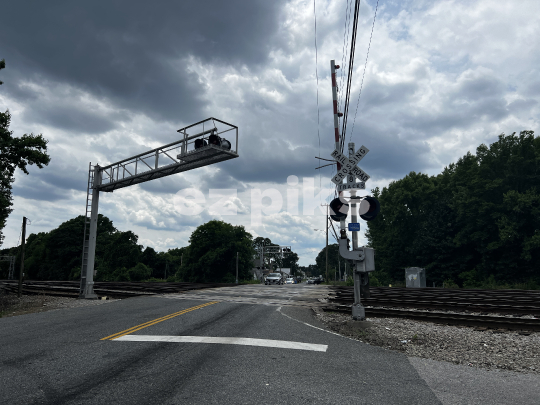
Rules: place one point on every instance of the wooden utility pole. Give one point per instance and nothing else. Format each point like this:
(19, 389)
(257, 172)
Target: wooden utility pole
(236, 267)
(22, 256)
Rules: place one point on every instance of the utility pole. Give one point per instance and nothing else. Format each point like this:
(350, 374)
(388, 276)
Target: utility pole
(236, 267)
(22, 257)
(327, 226)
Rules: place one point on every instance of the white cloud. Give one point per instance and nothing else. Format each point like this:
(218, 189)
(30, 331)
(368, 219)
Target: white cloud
(442, 77)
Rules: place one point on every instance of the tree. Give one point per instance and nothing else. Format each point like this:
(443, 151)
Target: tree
(211, 255)
(477, 220)
(16, 153)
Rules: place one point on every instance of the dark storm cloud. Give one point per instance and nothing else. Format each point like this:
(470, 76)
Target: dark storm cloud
(134, 53)
(35, 189)
(77, 118)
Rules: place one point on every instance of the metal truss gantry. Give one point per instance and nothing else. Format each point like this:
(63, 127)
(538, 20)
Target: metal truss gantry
(151, 165)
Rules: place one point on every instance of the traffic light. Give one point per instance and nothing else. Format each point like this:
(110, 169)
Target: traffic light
(199, 143)
(225, 144)
(369, 208)
(214, 140)
(338, 209)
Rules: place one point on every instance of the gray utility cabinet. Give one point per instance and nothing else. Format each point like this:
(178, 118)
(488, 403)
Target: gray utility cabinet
(415, 277)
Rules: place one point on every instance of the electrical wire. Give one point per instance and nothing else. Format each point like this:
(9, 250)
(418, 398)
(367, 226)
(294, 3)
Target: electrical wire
(365, 66)
(317, 76)
(345, 46)
(350, 73)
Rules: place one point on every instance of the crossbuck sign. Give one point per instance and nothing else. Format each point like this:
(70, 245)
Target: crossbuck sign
(349, 170)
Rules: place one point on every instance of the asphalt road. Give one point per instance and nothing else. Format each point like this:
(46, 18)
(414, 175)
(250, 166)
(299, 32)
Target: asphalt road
(188, 349)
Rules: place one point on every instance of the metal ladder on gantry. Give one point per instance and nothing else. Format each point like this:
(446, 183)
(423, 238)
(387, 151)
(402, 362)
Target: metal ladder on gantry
(209, 146)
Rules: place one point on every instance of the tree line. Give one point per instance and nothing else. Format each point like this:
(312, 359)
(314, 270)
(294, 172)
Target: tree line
(475, 224)
(209, 257)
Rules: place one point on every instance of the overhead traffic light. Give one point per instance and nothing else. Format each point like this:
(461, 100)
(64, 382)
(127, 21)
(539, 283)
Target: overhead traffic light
(199, 143)
(214, 140)
(338, 209)
(369, 208)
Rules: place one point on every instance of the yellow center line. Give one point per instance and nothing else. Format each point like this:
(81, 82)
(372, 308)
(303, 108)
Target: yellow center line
(153, 322)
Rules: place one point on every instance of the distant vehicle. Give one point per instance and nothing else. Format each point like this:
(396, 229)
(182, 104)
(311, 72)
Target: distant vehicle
(290, 280)
(273, 278)
(318, 280)
(311, 281)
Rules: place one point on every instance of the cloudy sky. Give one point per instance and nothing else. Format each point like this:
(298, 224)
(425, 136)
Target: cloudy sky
(105, 80)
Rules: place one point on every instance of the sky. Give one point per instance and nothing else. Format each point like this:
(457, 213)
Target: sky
(106, 80)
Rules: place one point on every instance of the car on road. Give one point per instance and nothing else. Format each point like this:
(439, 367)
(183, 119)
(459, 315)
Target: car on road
(273, 278)
(290, 280)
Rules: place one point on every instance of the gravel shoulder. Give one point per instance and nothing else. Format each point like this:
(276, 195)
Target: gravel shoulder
(487, 349)
(11, 305)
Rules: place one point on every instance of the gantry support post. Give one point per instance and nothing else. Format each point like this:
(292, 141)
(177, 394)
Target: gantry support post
(87, 290)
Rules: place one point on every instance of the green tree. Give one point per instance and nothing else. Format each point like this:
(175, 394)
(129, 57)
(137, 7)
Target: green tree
(477, 220)
(211, 255)
(16, 153)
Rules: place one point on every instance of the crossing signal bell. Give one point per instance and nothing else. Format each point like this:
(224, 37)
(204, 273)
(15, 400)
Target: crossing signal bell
(369, 208)
(338, 210)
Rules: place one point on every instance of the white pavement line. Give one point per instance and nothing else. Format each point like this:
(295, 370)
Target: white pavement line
(324, 330)
(280, 344)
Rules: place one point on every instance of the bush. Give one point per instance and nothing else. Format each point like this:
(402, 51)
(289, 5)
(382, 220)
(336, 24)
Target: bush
(139, 272)
(449, 283)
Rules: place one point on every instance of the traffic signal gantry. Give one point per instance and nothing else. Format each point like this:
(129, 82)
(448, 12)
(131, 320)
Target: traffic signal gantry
(208, 148)
(367, 207)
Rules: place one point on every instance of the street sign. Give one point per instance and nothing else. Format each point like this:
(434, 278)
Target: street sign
(348, 166)
(351, 186)
(354, 226)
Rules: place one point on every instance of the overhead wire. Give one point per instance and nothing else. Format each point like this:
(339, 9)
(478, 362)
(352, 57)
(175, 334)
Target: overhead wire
(317, 77)
(350, 73)
(365, 66)
(345, 46)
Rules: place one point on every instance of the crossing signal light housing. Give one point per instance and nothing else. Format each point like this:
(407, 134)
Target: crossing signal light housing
(199, 143)
(214, 140)
(338, 209)
(369, 208)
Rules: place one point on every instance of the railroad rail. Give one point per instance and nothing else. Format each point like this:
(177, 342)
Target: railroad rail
(106, 288)
(425, 304)
(428, 304)
(515, 302)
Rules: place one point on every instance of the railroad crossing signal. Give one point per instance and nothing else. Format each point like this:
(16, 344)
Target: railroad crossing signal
(349, 169)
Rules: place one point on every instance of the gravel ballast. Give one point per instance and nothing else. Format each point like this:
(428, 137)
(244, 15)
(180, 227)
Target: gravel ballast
(489, 349)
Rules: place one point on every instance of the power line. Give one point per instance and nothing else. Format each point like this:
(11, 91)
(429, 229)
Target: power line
(365, 66)
(345, 45)
(317, 76)
(350, 73)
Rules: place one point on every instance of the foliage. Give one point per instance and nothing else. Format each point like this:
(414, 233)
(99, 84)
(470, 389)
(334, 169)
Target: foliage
(478, 219)
(16, 153)
(335, 263)
(211, 255)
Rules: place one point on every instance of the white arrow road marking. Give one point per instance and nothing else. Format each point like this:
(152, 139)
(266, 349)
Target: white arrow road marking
(280, 344)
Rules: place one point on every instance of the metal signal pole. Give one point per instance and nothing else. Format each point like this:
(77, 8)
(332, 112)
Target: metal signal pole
(327, 226)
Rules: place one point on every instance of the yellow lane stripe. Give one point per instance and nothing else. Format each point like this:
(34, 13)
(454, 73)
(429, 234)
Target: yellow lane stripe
(153, 322)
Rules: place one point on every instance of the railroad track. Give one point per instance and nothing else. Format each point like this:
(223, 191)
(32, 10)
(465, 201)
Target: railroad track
(428, 304)
(410, 303)
(515, 302)
(105, 288)
(500, 323)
